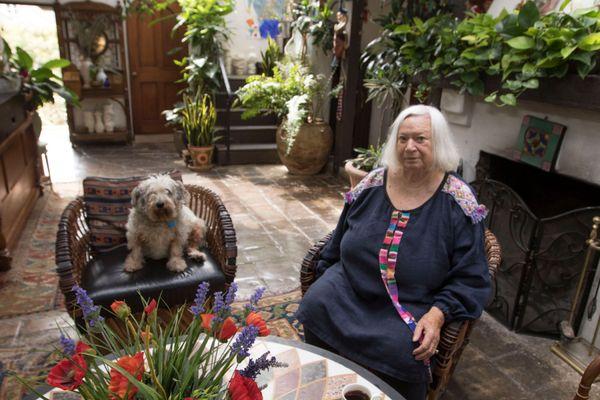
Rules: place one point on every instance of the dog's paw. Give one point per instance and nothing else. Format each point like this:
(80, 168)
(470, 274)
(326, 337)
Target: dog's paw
(132, 264)
(176, 264)
(196, 254)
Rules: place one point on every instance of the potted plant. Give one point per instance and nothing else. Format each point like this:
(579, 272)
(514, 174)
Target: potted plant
(150, 358)
(198, 118)
(366, 160)
(294, 94)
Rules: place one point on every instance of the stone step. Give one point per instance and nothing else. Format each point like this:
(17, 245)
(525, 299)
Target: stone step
(257, 153)
(250, 133)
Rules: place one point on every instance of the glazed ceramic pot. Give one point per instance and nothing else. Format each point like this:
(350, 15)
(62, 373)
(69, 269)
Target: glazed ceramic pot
(201, 157)
(311, 148)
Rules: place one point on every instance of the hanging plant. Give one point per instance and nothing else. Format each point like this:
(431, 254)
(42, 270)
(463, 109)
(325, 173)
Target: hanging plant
(520, 48)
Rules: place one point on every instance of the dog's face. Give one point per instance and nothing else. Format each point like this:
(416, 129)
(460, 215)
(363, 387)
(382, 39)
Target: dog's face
(159, 197)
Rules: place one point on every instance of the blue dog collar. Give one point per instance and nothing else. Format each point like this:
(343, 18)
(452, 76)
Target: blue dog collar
(172, 224)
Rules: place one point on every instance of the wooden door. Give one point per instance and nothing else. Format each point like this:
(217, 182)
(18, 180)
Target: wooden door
(153, 74)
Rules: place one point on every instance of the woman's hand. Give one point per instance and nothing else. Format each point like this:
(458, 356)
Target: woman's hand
(429, 327)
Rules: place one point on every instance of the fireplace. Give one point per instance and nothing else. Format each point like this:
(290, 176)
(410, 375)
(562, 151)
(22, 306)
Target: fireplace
(542, 221)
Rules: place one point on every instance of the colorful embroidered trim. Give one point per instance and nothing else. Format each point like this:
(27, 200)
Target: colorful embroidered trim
(465, 198)
(375, 178)
(388, 256)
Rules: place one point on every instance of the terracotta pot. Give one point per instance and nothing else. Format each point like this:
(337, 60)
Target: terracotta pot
(355, 174)
(310, 151)
(201, 158)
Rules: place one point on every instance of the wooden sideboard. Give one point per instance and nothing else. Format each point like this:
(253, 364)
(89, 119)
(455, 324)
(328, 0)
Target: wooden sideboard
(19, 179)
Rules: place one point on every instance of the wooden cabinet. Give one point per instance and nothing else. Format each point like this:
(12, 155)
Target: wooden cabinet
(77, 23)
(19, 176)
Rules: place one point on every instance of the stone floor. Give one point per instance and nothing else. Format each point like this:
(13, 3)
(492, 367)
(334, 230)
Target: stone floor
(277, 217)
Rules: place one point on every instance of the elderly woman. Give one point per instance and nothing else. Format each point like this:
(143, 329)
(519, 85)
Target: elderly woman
(407, 256)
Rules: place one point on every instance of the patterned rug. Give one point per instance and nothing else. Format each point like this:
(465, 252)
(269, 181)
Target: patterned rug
(278, 311)
(33, 356)
(31, 285)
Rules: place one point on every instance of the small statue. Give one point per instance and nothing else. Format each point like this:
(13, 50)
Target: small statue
(340, 37)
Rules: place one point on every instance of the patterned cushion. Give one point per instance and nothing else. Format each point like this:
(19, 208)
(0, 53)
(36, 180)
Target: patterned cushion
(107, 202)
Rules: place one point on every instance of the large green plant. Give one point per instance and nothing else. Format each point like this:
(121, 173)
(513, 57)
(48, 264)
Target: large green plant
(205, 32)
(198, 118)
(38, 83)
(311, 18)
(520, 48)
(289, 94)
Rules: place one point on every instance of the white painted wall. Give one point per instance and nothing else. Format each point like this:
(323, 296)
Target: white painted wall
(496, 129)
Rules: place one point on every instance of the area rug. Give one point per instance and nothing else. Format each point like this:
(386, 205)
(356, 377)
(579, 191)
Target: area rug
(279, 313)
(31, 285)
(34, 356)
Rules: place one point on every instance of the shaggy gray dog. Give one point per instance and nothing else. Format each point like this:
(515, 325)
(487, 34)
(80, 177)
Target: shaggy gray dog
(160, 225)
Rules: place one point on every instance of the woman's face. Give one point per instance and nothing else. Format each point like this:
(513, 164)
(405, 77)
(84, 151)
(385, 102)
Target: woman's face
(414, 148)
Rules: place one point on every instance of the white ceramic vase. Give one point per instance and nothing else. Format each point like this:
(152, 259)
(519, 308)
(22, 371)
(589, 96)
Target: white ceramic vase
(108, 117)
(99, 126)
(88, 121)
(84, 69)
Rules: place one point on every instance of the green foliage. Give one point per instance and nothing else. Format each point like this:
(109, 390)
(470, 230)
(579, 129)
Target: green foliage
(270, 57)
(311, 18)
(289, 94)
(520, 48)
(198, 117)
(38, 82)
(367, 158)
(205, 32)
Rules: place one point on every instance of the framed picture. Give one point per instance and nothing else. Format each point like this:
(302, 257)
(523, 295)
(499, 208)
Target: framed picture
(539, 142)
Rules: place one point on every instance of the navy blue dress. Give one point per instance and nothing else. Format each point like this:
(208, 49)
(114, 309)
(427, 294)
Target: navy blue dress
(441, 261)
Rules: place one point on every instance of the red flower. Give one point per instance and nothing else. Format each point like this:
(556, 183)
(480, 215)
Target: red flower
(242, 388)
(82, 347)
(256, 320)
(146, 336)
(119, 387)
(68, 373)
(228, 328)
(150, 307)
(120, 308)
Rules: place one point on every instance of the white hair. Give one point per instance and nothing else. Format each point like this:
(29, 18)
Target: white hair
(445, 154)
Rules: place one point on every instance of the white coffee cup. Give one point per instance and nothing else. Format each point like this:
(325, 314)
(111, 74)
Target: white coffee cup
(358, 387)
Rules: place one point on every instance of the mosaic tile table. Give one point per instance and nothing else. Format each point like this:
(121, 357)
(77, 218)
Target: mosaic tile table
(312, 374)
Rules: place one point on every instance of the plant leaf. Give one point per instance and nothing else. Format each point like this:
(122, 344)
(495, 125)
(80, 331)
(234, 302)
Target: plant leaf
(508, 99)
(566, 52)
(531, 84)
(521, 43)
(58, 63)
(589, 43)
(24, 59)
(528, 15)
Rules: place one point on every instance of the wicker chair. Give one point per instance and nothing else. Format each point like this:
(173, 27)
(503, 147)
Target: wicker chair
(74, 252)
(454, 335)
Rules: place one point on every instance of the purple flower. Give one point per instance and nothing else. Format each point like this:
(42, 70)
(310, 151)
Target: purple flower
(91, 313)
(244, 341)
(251, 306)
(201, 293)
(67, 344)
(230, 295)
(262, 363)
(219, 308)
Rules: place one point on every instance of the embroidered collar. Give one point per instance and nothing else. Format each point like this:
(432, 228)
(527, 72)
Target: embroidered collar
(463, 195)
(375, 178)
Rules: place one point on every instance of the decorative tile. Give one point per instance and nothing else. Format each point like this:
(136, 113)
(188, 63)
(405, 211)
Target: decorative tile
(313, 391)
(287, 382)
(313, 371)
(289, 396)
(291, 358)
(336, 383)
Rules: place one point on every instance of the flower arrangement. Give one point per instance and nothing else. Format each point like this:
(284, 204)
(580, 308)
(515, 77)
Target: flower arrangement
(159, 360)
(289, 94)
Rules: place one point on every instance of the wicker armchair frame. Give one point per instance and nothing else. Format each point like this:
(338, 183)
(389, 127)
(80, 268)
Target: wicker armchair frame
(74, 251)
(454, 336)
